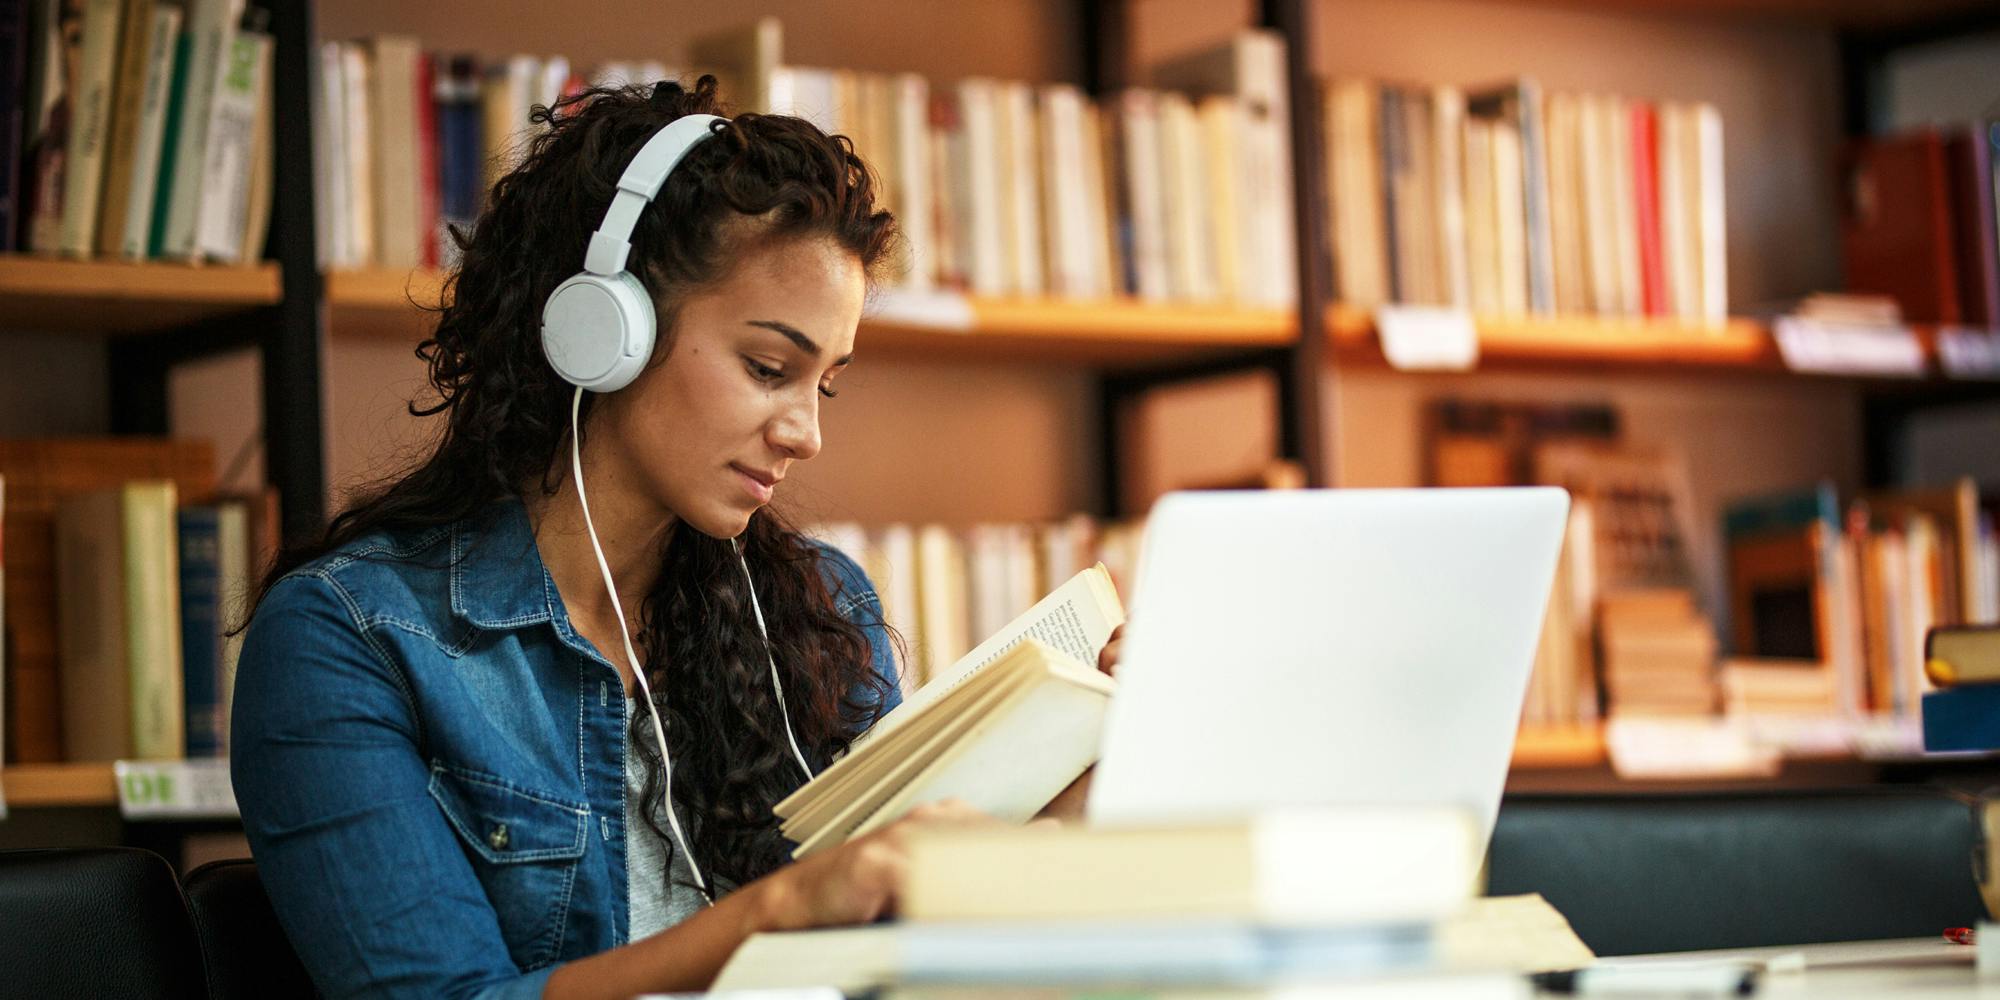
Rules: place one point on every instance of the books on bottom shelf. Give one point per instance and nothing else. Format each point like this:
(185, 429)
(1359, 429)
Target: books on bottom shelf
(1306, 894)
(1005, 729)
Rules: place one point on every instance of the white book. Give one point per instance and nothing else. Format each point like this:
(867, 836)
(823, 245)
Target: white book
(1190, 222)
(1448, 158)
(223, 216)
(89, 126)
(1482, 252)
(943, 617)
(359, 144)
(1625, 207)
(1145, 208)
(330, 210)
(1510, 229)
(980, 212)
(212, 25)
(1678, 234)
(1021, 173)
(1005, 728)
(898, 589)
(162, 44)
(397, 143)
(1354, 190)
(912, 195)
(1064, 200)
(1600, 212)
(1711, 227)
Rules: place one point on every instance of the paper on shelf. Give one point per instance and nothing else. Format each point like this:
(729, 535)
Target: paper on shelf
(1416, 338)
(1809, 345)
(1670, 747)
(175, 789)
(1965, 352)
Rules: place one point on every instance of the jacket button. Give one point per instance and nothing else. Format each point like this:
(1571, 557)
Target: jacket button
(498, 838)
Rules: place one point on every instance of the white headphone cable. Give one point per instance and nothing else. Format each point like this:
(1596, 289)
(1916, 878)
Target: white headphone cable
(770, 658)
(631, 656)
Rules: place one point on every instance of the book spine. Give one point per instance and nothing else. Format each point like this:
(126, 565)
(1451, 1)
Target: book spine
(1646, 198)
(14, 28)
(164, 43)
(153, 622)
(89, 127)
(429, 198)
(235, 570)
(171, 127)
(201, 629)
(212, 25)
(222, 216)
(1962, 718)
(128, 93)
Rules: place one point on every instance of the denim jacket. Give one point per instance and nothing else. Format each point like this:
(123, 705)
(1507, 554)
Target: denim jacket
(430, 762)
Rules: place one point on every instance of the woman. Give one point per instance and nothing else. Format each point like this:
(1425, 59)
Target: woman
(445, 760)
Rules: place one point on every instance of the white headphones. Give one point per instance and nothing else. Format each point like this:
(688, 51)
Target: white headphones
(598, 326)
(598, 331)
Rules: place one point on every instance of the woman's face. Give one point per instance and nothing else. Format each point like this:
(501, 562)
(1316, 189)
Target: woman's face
(710, 429)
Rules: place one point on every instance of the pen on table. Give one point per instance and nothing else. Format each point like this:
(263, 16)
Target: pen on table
(1708, 979)
(1960, 935)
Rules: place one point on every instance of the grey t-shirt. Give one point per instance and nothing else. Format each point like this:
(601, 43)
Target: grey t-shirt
(652, 904)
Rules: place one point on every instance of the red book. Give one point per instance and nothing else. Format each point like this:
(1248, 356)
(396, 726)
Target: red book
(1896, 230)
(1654, 300)
(429, 203)
(1971, 155)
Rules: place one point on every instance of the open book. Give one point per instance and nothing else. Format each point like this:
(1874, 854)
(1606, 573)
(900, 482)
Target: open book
(1005, 728)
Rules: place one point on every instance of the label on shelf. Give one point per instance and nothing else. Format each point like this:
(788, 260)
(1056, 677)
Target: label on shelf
(1810, 345)
(1968, 352)
(175, 789)
(938, 310)
(1427, 338)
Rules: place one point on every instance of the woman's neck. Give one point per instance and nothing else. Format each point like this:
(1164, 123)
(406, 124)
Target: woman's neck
(632, 530)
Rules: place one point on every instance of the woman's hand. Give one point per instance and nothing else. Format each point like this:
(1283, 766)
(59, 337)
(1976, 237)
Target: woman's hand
(857, 882)
(1107, 658)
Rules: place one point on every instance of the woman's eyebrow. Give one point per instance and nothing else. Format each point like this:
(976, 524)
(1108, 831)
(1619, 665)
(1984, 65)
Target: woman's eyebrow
(792, 334)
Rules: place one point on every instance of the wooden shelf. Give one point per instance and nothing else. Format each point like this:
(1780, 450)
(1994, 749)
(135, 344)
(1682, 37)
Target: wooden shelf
(1585, 344)
(1545, 748)
(52, 294)
(29, 786)
(385, 302)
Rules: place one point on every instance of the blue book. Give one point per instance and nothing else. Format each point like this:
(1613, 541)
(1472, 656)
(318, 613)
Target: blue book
(1962, 718)
(201, 629)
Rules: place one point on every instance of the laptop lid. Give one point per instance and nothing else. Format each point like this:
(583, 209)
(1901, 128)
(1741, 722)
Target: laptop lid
(1327, 647)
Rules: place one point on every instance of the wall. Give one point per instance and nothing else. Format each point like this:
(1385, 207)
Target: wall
(1949, 82)
(58, 385)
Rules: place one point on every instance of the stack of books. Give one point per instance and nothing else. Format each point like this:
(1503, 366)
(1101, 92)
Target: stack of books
(1964, 712)
(1659, 653)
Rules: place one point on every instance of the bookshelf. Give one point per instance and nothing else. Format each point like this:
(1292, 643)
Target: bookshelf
(1137, 347)
(56, 295)
(380, 302)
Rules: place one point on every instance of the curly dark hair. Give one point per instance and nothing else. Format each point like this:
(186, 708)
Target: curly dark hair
(760, 179)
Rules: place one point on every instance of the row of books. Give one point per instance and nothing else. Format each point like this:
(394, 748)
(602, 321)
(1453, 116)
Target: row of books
(122, 569)
(1510, 201)
(1003, 188)
(1918, 222)
(136, 129)
(943, 588)
(1855, 585)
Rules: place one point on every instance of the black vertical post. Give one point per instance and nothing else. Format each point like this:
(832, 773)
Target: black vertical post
(1105, 34)
(294, 452)
(1300, 399)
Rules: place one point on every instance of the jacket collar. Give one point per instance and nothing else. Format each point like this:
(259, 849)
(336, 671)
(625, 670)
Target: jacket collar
(498, 580)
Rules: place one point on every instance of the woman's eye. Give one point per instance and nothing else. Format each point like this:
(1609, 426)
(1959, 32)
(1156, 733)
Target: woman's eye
(828, 391)
(763, 372)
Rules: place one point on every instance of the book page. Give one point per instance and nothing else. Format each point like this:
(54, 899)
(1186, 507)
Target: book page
(1076, 620)
(1512, 933)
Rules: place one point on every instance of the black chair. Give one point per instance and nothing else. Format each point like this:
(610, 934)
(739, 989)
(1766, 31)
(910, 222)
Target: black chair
(245, 951)
(95, 922)
(1663, 872)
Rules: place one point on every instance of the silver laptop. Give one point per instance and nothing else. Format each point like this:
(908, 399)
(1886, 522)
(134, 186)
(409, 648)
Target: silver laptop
(1327, 647)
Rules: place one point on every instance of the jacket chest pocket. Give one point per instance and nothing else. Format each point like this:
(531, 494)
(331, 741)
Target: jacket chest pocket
(524, 846)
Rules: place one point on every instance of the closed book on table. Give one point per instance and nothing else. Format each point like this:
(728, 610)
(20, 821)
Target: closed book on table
(1963, 654)
(1962, 718)
(1309, 867)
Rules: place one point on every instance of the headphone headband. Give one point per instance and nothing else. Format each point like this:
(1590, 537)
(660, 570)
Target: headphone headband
(611, 245)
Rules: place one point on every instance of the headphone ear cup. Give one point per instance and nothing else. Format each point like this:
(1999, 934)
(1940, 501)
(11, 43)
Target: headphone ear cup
(597, 330)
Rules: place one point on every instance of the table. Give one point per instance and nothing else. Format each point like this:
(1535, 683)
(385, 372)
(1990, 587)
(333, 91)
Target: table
(1917, 968)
